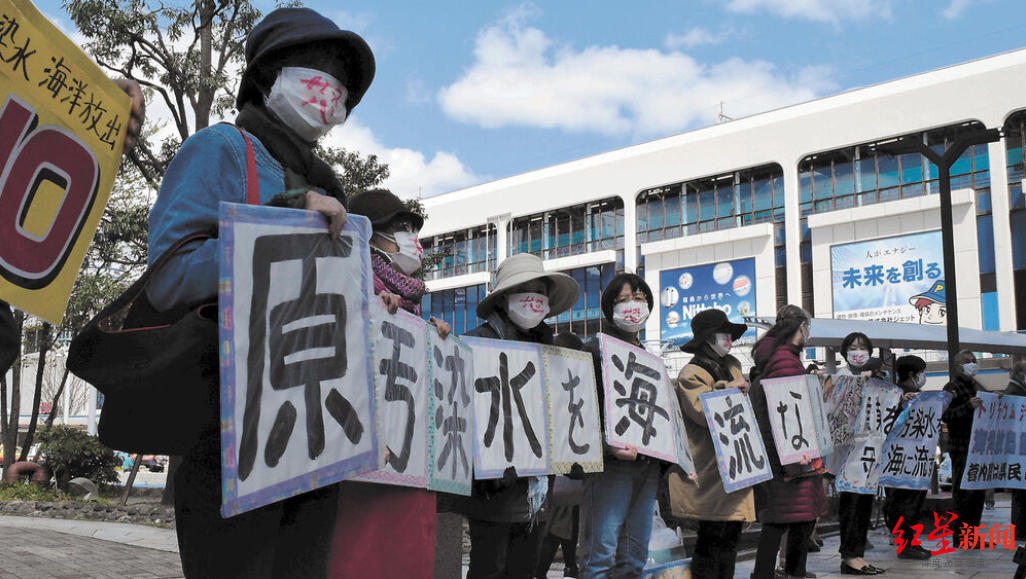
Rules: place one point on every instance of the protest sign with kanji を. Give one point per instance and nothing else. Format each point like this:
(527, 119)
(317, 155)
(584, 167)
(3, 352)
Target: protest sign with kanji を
(740, 453)
(297, 390)
(907, 460)
(576, 437)
(62, 127)
(640, 404)
(997, 447)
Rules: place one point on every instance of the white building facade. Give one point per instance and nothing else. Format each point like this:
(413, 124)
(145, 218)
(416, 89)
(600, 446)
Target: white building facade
(781, 195)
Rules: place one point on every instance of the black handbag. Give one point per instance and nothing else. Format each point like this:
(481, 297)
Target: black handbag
(158, 371)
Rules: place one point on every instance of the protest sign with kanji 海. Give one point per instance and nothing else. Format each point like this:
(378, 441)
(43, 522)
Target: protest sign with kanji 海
(640, 404)
(62, 128)
(400, 371)
(576, 437)
(907, 460)
(881, 405)
(510, 408)
(997, 447)
(791, 413)
(740, 453)
(451, 373)
(297, 389)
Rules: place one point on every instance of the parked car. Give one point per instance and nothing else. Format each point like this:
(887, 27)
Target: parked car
(944, 472)
(154, 462)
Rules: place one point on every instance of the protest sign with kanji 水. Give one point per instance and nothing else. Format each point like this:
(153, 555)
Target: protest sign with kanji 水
(907, 459)
(640, 404)
(881, 405)
(62, 128)
(740, 453)
(297, 389)
(997, 447)
(402, 395)
(510, 408)
(451, 373)
(792, 417)
(573, 410)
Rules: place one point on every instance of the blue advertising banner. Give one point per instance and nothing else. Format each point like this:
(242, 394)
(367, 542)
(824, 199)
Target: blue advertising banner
(895, 279)
(683, 292)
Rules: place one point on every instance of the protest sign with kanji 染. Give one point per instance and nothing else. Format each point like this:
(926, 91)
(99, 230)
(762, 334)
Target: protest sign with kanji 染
(640, 404)
(62, 127)
(740, 453)
(510, 408)
(451, 374)
(881, 405)
(907, 459)
(997, 447)
(402, 395)
(792, 413)
(297, 389)
(576, 437)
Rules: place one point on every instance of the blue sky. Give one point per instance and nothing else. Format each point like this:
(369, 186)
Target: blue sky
(467, 92)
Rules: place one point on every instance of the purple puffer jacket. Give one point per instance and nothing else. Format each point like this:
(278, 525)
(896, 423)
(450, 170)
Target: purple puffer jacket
(803, 497)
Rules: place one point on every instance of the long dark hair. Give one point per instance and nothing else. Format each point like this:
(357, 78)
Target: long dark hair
(789, 319)
(850, 339)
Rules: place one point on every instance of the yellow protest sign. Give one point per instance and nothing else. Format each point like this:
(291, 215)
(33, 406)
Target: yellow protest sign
(62, 125)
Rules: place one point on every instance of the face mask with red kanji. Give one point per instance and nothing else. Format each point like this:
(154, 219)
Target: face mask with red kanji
(309, 101)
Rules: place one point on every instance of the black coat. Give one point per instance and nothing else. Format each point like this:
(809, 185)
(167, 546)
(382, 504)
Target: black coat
(8, 338)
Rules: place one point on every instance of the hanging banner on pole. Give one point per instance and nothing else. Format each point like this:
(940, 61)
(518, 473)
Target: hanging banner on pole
(740, 452)
(451, 424)
(907, 460)
(997, 447)
(297, 389)
(576, 437)
(62, 128)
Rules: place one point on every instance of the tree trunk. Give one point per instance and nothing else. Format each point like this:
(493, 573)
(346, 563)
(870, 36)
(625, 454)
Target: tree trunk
(44, 347)
(206, 91)
(56, 400)
(11, 432)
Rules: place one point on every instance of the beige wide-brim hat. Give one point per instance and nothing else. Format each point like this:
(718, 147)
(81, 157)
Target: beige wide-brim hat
(522, 268)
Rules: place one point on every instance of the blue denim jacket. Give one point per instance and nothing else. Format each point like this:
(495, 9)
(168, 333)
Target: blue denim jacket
(209, 168)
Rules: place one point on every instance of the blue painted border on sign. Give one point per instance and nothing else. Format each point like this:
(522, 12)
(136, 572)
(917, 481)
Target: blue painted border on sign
(721, 461)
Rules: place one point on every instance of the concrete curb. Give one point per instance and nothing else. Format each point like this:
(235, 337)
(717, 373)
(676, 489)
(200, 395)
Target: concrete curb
(126, 534)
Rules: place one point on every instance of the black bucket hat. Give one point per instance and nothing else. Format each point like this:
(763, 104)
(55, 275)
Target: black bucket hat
(381, 206)
(288, 27)
(708, 323)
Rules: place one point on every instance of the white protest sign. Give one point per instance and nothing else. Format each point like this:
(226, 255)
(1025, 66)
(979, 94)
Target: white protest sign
(997, 446)
(451, 373)
(740, 452)
(510, 408)
(907, 460)
(576, 436)
(789, 405)
(402, 392)
(880, 408)
(297, 393)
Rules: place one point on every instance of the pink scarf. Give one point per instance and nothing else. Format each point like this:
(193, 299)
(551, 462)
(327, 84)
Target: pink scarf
(388, 279)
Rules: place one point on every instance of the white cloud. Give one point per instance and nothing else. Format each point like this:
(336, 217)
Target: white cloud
(955, 9)
(697, 36)
(817, 10)
(521, 77)
(412, 173)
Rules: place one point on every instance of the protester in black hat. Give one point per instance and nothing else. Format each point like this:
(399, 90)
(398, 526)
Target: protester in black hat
(303, 76)
(385, 530)
(619, 502)
(720, 515)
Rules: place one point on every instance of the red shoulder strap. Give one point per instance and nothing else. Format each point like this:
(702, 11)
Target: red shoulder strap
(252, 182)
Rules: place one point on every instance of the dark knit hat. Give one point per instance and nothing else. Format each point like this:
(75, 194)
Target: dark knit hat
(381, 207)
(289, 27)
(708, 323)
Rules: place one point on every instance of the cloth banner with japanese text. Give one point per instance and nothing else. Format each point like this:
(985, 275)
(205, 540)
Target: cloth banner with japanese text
(843, 404)
(576, 437)
(997, 447)
(881, 405)
(641, 407)
(62, 128)
(297, 384)
(740, 452)
(907, 460)
(796, 419)
(451, 424)
(402, 395)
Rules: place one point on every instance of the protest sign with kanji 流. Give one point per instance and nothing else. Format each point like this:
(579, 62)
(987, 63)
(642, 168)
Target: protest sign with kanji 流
(740, 453)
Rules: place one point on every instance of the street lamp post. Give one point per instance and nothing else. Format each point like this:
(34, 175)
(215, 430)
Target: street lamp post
(943, 162)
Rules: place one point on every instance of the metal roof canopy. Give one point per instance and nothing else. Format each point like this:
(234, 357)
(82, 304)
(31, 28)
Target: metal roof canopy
(828, 332)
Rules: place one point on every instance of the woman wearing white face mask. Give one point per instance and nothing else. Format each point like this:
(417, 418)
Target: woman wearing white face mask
(618, 502)
(720, 515)
(505, 540)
